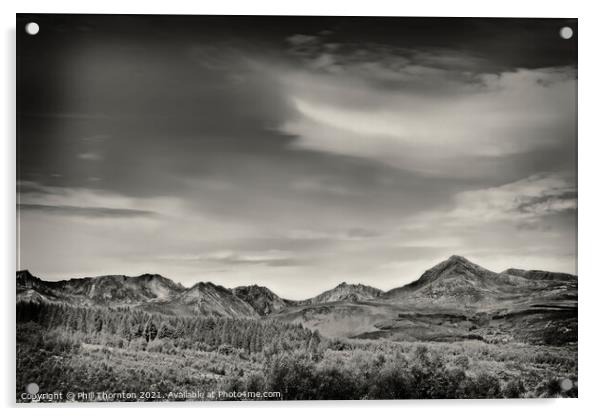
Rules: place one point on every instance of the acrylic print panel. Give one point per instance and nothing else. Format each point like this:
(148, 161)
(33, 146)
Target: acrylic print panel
(284, 208)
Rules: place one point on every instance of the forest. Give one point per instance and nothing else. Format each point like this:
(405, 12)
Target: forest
(65, 349)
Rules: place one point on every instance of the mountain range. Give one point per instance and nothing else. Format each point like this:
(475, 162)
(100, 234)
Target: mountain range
(452, 299)
(156, 293)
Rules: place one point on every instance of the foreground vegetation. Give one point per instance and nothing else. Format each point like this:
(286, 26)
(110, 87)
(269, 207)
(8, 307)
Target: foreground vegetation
(66, 349)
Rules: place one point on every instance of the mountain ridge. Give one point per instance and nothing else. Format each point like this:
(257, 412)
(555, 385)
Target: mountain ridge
(455, 281)
(539, 274)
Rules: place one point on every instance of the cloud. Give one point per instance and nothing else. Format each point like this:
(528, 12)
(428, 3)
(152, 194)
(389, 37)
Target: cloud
(269, 258)
(385, 66)
(93, 212)
(527, 223)
(434, 110)
(91, 156)
(528, 199)
(322, 186)
(89, 203)
(492, 117)
(362, 233)
(300, 39)
(351, 234)
(549, 204)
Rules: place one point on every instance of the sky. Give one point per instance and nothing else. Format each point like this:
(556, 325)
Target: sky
(294, 152)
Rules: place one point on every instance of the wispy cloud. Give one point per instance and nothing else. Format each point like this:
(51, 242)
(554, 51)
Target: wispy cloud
(89, 203)
(90, 156)
(528, 199)
(272, 258)
(351, 234)
(93, 212)
(492, 116)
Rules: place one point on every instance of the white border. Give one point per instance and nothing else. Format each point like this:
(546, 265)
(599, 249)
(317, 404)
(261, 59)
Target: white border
(590, 155)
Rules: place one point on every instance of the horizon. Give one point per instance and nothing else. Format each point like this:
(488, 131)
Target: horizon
(295, 152)
(192, 284)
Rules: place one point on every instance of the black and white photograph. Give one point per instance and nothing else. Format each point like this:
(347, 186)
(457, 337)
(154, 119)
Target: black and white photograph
(279, 208)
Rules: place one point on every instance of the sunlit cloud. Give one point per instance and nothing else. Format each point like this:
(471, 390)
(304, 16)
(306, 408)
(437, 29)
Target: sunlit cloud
(493, 116)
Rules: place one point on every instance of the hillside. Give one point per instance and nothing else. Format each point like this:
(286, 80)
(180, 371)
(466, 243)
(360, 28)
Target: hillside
(344, 292)
(262, 299)
(540, 275)
(112, 290)
(458, 282)
(454, 281)
(206, 299)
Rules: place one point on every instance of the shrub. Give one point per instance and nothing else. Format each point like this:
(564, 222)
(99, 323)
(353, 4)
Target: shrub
(225, 349)
(393, 381)
(462, 362)
(483, 386)
(513, 389)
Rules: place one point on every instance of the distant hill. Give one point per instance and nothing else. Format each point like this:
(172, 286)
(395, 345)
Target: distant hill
(262, 299)
(540, 275)
(206, 299)
(150, 292)
(458, 282)
(455, 280)
(112, 290)
(344, 292)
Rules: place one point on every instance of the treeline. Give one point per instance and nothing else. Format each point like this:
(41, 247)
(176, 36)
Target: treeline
(121, 327)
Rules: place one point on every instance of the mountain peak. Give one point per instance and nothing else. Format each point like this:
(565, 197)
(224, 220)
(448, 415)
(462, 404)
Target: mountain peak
(460, 260)
(151, 275)
(202, 285)
(457, 259)
(455, 264)
(459, 263)
(207, 298)
(25, 278)
(346, 292)
(251, 288)
(262, 299)
(455, 280)
(24, 274)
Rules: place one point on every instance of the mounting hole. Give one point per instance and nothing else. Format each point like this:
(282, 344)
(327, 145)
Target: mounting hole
(566, 384)
(32, 28)
(32, 388)
(566, 32)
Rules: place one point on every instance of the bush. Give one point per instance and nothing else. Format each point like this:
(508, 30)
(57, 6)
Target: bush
(225, 349)
(393, 381)
(483, 386)
(513, 389)
(462, 362)
(292, 375)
